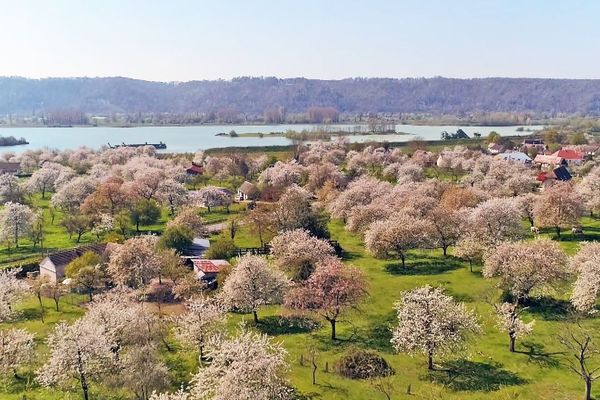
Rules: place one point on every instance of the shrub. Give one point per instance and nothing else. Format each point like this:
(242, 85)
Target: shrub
(363, 364)
(177, 237)
(222, 248)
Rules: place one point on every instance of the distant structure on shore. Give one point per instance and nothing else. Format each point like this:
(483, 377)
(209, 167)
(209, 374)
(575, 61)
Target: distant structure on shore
(158, 146)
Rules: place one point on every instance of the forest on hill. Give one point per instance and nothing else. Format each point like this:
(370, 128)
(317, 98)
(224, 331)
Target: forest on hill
(272, 96)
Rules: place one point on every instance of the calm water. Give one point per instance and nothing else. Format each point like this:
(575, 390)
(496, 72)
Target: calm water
(192, 138)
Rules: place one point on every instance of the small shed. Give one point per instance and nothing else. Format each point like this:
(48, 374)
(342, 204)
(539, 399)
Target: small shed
(208, 270)
(247, 191)
(516, 156)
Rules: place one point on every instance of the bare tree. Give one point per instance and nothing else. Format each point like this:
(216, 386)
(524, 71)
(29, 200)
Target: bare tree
(581, 351)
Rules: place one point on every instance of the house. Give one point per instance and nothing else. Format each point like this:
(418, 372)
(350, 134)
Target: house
(53, 265)
(547, 160)
(569, 157)
(247, 191)
(534, 143)
(589, 150)
(495, 148)
(12, 168)
(547, 178)
(516, 156)
(195, 169)
(208, 270)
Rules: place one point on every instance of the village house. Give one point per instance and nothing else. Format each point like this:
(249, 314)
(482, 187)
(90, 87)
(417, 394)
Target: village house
(495, 148)
(535, 143)
(516, 156)
(195, 169)
(547, 160)
(547, 178)
(208, 270)
(53, 265)
(12, 168)
(569, 157)
(247, 191)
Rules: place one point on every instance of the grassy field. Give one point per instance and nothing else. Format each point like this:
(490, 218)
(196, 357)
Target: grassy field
(487, 370)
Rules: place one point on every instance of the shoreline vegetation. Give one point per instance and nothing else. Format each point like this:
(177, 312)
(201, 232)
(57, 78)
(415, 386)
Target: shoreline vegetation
(314, 134)
(12, 141)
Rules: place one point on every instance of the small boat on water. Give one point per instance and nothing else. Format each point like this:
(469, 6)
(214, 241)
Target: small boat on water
(158, 146)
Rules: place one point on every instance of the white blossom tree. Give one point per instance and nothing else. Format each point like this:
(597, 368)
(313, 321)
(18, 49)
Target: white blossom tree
(174, 194)
(247, 366)
(16, 221)
(73, 193)
(12, 290)
(203, 318)
(253, 283)
(80, 351)
(135, 262)
(586, 263)
(16, 350)
(509, 320)
(432, 323)
(44, 179)
(212, 196)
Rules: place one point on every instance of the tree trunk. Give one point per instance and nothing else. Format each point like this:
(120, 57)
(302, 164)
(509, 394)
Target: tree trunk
(39, 296)
(79, 234)
(558, 231)
(201, 351)
(56, 302)
(403, 259)
(430, 361)
(588, 389)
(332, 322)
(511, 346)
(91, 294)
(314, 371)
(137, 226)
(255, 315)
(445, 249)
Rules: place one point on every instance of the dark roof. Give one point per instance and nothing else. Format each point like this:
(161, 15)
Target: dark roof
(195, 170)
(66, 256)
(460, 134)
(9, 167)
(562, 173)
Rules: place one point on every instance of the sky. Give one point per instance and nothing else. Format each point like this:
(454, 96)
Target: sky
(181, 40)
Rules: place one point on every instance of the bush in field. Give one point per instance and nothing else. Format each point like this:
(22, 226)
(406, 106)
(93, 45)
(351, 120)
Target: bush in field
(363, 364)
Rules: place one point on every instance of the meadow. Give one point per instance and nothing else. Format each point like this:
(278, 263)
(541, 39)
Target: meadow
(486, 370)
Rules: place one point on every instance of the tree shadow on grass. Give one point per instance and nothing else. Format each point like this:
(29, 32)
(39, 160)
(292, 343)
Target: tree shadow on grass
(464, 375)
(548, 308)
(378, 335)
(535, 354)
(287, 325)
(434, 267)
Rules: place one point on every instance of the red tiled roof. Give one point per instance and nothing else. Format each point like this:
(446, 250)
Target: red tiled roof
(210, 266)
(568, 154)
(542, 177)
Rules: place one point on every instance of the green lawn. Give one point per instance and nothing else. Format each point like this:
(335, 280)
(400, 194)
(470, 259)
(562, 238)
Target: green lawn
(489, 370)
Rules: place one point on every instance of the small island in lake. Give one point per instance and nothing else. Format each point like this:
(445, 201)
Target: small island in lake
(12, 141)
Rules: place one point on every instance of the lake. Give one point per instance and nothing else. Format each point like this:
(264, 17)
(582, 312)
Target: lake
(192, 138)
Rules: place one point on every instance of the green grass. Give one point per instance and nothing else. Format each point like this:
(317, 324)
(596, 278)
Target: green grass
(489, 370)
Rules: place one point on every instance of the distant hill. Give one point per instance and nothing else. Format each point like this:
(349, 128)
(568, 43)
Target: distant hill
(254, 95)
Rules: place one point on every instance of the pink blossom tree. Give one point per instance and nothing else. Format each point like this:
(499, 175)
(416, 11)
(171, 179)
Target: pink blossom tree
(526, 267)
(558, 206)
(331, 290)
(397, 235)
(298, 252)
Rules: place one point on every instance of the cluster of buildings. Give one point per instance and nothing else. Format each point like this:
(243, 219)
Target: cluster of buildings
(553, 166)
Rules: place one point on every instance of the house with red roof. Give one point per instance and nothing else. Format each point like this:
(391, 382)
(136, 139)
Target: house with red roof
(208, 270)
(570, 157)
(195, 169)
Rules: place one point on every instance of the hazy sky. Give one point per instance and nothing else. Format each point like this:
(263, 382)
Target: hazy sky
(177, 40)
